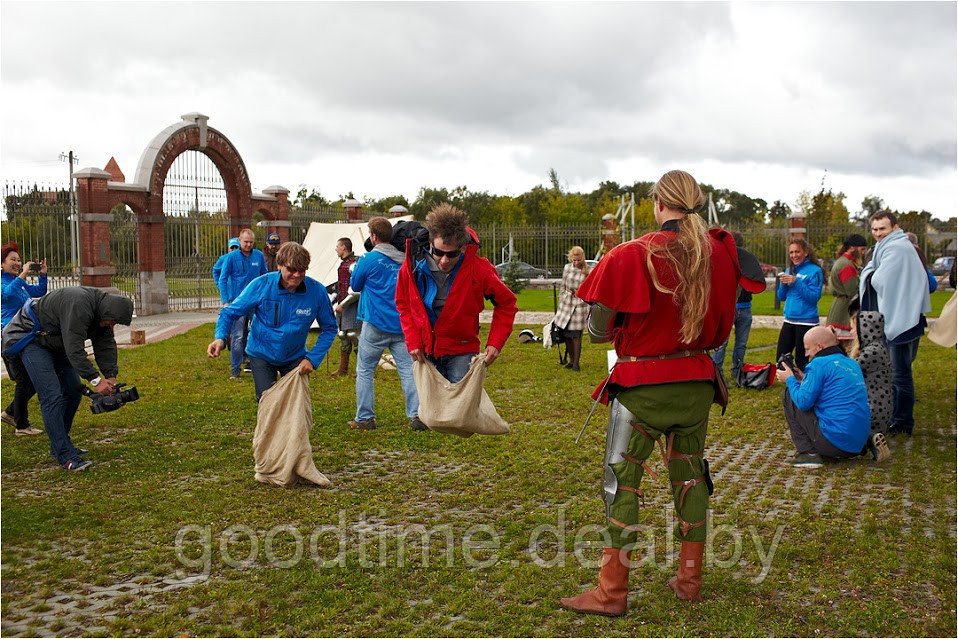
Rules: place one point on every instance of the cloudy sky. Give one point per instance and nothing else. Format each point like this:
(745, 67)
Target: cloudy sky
(383, 98)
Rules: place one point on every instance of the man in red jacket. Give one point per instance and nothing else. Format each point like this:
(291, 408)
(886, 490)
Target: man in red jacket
(440, 295)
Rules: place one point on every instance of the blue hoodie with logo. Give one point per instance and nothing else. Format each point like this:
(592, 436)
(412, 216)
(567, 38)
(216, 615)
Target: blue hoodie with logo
(238, 271)
(281, 319)
(801, 298)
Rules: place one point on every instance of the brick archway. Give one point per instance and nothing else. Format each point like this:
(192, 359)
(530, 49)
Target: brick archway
(100, 190)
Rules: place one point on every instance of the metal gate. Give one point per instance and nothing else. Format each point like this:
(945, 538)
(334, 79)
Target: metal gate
(39, 219)
(196, 230)
(123, 253)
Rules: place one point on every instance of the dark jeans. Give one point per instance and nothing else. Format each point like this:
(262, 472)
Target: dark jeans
(743, 325)
(902, 384)
(791, 338)
(805, 432)
(58, 388)
(22, 393)
(265, 374)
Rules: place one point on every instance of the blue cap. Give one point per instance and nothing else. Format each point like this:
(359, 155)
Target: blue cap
(233, 243)
(272, 238)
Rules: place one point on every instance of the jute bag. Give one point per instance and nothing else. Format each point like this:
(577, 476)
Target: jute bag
(460, 409)
(943, 331)
(281, 447)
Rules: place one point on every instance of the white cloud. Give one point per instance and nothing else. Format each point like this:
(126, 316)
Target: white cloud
(386, 98)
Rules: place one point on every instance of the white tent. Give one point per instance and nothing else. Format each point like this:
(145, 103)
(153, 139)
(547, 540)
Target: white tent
(320, 241)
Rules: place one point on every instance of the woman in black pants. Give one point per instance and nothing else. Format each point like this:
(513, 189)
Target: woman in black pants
(800, 288)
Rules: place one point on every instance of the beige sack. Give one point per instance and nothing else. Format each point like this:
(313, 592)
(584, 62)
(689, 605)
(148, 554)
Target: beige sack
(943, 331)
(281, 442)
(460, 409)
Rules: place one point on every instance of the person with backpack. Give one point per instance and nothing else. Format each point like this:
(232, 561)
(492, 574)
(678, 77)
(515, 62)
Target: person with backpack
(441, 293)
(374, 278)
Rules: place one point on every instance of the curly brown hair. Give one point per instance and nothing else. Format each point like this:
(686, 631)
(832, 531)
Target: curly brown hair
(449, 223)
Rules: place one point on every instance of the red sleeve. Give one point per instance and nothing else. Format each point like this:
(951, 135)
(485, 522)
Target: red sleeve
(615, 281)
(410, 308)
(503, 306)
(847, 273)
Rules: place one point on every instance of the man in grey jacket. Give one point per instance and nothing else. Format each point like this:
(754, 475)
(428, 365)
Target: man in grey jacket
(55, 329)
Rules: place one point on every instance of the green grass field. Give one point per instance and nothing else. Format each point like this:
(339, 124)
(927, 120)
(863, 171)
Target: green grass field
(762, 304)
(853, 549)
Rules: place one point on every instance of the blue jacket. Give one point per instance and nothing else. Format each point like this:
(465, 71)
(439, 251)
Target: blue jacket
(218, 269)
(801, 298)
(16, 291)
(281, 320)
(238, 271)
(374, 275)
(835, 388)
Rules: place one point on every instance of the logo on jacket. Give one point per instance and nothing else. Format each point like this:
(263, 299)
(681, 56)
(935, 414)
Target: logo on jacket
(304, 311)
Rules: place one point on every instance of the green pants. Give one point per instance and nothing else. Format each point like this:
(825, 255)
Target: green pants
(680, 411)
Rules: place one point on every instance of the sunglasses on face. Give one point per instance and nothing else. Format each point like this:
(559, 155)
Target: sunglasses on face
(438, 253)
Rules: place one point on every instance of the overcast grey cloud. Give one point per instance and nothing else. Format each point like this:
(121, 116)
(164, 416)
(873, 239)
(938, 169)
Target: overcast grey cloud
(383, 98)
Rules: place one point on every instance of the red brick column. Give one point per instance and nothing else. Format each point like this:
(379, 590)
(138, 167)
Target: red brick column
(93, 207)
(279, 211)
(610, 233)
(796, 226)
(353, 210)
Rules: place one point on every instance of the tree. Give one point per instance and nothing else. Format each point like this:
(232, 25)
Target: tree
(778, 213)
(386, 203)
(312, 200)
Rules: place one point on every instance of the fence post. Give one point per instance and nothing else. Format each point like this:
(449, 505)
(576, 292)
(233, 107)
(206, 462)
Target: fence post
(547, 248)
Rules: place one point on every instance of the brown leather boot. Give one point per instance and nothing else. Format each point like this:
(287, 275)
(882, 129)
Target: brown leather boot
(343, 364)
(687, 584)
(611, 596)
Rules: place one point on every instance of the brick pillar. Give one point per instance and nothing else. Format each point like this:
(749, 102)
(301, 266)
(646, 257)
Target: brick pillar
(154, 290)
(610, 233)
(280, 221)
(93, 207)
(796, 226)
(353, 209)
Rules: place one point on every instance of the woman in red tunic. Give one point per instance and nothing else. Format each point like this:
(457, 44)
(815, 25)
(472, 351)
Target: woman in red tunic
(664, 300)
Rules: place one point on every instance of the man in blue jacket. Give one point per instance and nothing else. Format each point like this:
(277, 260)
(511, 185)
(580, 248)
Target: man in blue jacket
(232, 245)
(239, 269)
(374, 276)
(827, 407)
(284, 305)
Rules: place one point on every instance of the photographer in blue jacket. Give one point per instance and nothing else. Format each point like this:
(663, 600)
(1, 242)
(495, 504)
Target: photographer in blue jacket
(800, 288)
(284, 305)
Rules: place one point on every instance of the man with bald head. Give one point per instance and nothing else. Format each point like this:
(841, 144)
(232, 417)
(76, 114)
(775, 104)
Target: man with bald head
(826, 407)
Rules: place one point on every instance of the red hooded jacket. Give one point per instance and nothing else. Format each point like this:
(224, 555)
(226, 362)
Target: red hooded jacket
(457, 329)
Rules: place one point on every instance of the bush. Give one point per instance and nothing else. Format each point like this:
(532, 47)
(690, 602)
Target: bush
(512, 277)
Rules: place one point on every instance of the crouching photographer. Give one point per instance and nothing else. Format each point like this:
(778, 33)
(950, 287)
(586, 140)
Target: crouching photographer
(48, 336)
(826, 407)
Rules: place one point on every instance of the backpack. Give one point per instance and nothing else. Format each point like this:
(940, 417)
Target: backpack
(406, 230)
(756, 376)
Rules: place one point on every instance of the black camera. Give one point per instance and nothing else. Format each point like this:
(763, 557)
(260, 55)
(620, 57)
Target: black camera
(36, 267)
(107, 403)
(787, 360)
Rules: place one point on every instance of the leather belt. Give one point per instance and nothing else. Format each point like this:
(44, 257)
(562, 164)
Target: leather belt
(650, 358)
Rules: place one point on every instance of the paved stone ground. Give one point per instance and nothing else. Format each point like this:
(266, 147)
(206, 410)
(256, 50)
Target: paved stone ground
(751, 474)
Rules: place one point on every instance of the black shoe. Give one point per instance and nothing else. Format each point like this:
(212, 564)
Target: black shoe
(247, 368)
(899, 430)
(77, 464)
(569, 365)
(82, 451)
(417, 425)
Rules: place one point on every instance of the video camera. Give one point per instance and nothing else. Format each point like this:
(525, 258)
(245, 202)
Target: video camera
(787, 360)
(107, 403)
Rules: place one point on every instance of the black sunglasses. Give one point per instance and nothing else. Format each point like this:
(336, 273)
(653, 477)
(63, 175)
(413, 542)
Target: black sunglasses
(438, 253)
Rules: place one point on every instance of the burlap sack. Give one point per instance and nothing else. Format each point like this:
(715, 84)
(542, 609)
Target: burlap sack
(460, 409)
(281, 447)
(944, 331)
